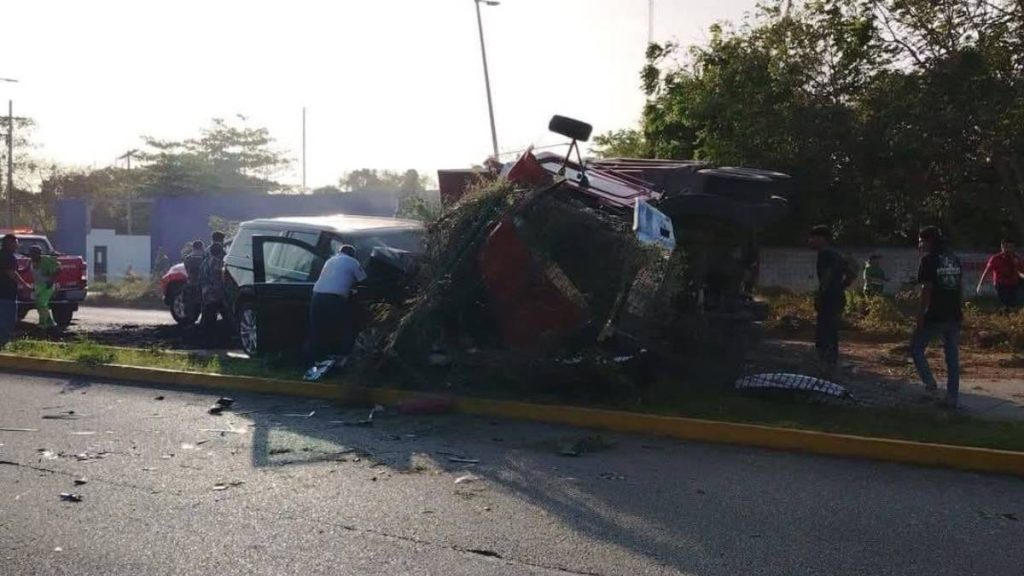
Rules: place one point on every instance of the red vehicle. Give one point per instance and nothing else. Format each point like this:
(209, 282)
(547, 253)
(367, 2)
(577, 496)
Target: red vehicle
(172, 285)
(71, 282)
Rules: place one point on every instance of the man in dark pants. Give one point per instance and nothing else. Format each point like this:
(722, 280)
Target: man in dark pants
(331, 318)
(10, 282)
(212, 287)
(834, 275)
(940, 276)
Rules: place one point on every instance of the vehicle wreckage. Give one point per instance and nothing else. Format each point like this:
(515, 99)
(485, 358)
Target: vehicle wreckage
(554, 257)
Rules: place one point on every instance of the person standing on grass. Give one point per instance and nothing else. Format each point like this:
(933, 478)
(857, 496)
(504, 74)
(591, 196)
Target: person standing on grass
(211, 281)
(193, 272)
(1007, 270)
(834, 275)
(331, 318)
(10, 283)
(44, 272)
(874, 276)
(941, 312)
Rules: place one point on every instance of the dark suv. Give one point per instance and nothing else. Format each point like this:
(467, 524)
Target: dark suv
(272, 265)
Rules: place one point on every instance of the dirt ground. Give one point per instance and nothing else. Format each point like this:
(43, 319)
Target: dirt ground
(879, 372)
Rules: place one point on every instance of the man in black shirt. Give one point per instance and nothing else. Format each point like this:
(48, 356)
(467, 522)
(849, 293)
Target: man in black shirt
(834, 275)
(941, 313)
(10, 282)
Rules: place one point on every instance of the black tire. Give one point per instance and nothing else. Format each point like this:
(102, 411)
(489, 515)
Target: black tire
(62, 315)
(181, 311)
(248, 328)
(570, 128)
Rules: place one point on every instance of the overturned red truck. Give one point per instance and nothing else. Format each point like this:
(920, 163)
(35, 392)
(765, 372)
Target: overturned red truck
(563, 264)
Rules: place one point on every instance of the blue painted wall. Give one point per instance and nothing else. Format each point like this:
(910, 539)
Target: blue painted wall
(176, 220)
(72, 226)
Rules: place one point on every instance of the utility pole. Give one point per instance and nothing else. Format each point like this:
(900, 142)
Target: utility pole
(127, 156)
(10, 163)
(487, 77)
(303, 149)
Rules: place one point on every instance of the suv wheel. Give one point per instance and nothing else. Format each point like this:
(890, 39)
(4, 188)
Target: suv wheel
(248, 329)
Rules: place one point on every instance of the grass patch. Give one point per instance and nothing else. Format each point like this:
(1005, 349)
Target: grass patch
(892, 317)
(129, 294)
(923, 425)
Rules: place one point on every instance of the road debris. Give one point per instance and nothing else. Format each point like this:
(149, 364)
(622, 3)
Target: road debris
(215, 410)
(70, 497)
(612, 476)
(225, 401)
(584, 445)
(225, 485)
(47, 454)
(81, 481)
(19, 430)
(158, 398)
(467, 479)
(462, 460)
(83, 433)
(368, 423)
(310, 415)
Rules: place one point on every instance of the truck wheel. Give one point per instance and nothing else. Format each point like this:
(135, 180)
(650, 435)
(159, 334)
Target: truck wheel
(182, 312)
(248, 328)
(62, 315)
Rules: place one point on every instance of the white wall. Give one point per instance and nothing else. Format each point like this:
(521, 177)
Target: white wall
(122, 251)
(794, 268)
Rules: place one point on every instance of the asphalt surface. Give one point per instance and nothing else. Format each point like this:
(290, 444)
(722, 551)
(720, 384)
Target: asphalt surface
(283, 486)
(91, 317)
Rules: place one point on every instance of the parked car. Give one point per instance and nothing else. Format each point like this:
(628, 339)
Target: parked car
(272, 264)
(71, 281)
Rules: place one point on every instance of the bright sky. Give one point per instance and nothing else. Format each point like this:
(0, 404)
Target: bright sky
(387, 83)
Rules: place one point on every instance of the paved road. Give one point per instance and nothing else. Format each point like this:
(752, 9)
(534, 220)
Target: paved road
(287, 489)
(89, 316)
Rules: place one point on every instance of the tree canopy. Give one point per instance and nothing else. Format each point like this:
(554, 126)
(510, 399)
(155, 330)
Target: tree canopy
(890, 114)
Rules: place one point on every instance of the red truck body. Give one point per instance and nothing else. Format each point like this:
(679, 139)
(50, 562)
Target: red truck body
(71, 280)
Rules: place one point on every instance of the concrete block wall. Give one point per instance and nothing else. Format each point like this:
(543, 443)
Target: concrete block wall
(122, 251)
(793, 268)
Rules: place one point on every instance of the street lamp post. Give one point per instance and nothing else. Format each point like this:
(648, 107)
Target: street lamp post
(487, 77)
(10, 157)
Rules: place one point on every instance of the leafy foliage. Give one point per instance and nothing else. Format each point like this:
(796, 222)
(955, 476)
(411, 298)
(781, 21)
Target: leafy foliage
(889, 113)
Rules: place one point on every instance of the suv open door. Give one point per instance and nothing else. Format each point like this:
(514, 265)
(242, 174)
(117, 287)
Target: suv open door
(275, 318)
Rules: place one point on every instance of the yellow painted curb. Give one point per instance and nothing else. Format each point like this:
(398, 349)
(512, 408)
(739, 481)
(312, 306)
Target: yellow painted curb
(959, 457)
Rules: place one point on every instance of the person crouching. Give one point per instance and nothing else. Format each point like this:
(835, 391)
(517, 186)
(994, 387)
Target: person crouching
(331, 316)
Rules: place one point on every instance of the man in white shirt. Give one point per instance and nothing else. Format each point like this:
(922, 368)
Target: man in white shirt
(331, 326)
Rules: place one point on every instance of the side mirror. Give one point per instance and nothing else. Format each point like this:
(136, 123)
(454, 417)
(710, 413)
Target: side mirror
(570, 128)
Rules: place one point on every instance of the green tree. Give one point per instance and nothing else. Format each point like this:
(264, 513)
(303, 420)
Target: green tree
(409, 186)
(226, 157)
(888, 113)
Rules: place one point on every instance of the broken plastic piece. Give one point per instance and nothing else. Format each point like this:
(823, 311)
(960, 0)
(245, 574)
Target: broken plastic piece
(70, 497)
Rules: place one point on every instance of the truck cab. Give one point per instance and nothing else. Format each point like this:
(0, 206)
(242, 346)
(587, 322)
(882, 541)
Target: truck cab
(71, 280)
